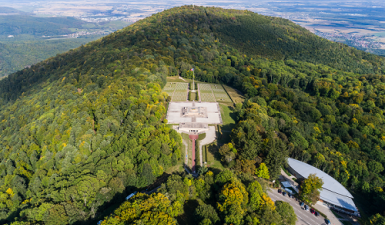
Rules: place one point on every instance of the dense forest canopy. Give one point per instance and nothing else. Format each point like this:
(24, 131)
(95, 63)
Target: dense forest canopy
(83, 127)
(222, 198)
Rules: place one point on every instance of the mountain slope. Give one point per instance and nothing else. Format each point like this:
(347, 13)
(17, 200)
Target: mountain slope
(16, 55)
(84, 128)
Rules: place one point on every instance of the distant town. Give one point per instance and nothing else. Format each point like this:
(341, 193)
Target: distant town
(354, 40)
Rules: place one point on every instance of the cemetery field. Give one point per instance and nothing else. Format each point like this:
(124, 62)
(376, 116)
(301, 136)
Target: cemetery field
(235, 95)
(179, 96)
(213, 93)
(169, 88)
(177, 90)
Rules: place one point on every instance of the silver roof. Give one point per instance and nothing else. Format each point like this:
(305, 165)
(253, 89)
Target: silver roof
(330, 183)
(339, 200)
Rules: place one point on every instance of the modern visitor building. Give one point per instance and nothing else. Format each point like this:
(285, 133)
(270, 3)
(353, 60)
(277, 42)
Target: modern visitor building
(333, 193)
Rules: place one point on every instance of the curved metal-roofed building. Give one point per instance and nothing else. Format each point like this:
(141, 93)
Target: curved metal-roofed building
(332, 191)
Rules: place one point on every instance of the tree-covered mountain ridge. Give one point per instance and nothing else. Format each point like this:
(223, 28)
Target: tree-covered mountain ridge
(267, 37)
(80, 130)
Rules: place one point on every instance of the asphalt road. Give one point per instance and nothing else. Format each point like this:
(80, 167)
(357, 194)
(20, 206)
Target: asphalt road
(303, 217)
(210, 137)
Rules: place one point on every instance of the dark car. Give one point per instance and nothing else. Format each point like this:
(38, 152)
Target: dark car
(279, 191)
(284, 193)
(306, 208)
(327, 221)
(302, 204)
(316, 213)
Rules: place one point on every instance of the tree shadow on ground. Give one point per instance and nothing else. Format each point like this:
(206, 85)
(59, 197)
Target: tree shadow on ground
(109, 207)
(188, 217)
(213, 149)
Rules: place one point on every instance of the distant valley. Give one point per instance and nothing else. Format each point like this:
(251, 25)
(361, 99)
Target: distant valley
(26, 39)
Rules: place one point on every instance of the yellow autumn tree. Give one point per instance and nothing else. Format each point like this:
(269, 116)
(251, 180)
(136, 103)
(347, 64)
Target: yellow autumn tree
(262, 171)
(232, 201)
(146, 209)
(267, 202)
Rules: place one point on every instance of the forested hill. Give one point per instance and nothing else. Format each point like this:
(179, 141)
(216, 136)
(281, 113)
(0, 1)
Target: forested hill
(82, 129)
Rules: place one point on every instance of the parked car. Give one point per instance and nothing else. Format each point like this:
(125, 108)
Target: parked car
(312, 211)
(327, 221)
(306, 208)
(279, 191)
(284, 193)
(316, 213)
(289, 195)
(301, 204)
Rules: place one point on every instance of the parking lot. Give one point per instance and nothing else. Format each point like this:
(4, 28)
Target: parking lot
(303, 217)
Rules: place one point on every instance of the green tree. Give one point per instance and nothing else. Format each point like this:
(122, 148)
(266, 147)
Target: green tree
(255, 191)
(262, 171)
(310, 188)
(206, 213)
(287, 213)
(377, 219)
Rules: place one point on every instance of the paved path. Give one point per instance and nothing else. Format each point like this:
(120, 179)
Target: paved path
(290, 180)
(210, 137)
(303, 217)
(325, 210)
(193, 138)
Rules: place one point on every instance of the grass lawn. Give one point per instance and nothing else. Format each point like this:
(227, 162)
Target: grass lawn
(176, 168)
(174, 79)
(227, 114)
(204, 156)
(287, 172)
(228, 119)
(213, 156)
(189, 146)
(193, 96)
